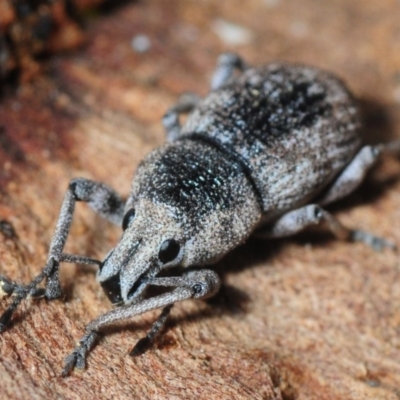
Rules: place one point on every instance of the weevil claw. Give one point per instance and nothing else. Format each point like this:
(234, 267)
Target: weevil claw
(375, 242)
(77, 359)
(69, 364)
(141, 346)
(7, 286)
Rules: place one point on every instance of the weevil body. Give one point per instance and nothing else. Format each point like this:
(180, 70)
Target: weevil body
(260, 145)
(262, 152)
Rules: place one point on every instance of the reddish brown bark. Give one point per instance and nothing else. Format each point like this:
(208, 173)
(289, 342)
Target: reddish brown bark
(303, 318)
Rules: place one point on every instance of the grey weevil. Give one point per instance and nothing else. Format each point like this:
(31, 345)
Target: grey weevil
(262, 153)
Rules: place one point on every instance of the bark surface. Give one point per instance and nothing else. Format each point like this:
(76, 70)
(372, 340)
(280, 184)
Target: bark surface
(303, 318)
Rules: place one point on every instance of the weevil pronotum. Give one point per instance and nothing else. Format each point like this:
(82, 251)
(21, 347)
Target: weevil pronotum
(264, 152)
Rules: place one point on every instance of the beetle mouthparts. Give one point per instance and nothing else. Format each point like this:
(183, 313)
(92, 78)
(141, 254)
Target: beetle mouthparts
(142, 280)
(112, 288)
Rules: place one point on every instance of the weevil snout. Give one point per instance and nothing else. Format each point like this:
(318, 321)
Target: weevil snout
(124, 272)
(114, 290)
(142, 252)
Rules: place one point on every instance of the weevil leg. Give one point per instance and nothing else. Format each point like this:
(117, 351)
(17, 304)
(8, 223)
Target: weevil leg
(103, 201)
(193, 285)
(226, 65)
(355, 172)
(147, 341)
(312, 215)
(185, 104)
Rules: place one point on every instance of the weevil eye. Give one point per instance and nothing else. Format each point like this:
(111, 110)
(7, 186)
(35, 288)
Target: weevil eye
(128, 218)
(168, 251)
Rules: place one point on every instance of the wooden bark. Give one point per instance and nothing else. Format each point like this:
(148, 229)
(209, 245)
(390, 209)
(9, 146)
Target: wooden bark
(302, 318)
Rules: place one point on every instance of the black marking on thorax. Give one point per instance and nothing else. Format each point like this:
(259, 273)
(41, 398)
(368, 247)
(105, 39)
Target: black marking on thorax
(231, 155)
(194, 177)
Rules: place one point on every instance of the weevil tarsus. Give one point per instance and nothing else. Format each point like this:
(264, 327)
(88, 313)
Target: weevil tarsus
(143, 344)
(227, 63)
(186, 103)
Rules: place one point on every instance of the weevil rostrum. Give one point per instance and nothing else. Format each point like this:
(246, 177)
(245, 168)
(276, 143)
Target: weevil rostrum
(264, 152)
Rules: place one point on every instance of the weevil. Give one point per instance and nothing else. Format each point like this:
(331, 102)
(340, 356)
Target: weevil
(264, 152)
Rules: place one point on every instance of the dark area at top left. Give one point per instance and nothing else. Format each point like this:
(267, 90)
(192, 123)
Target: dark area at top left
(31, 30)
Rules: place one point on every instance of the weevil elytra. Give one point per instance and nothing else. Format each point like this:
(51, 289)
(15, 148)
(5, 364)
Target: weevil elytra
(262, 153)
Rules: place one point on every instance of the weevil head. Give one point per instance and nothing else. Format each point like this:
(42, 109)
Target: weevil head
(188, 206)
(152, 240)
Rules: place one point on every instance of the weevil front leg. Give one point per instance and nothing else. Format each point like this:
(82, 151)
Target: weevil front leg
(103, 201)
(312, 215)
(186, 103)
(194, 285)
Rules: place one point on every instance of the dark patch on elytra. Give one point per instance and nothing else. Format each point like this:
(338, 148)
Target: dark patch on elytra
(287, 106)
(282, 102)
